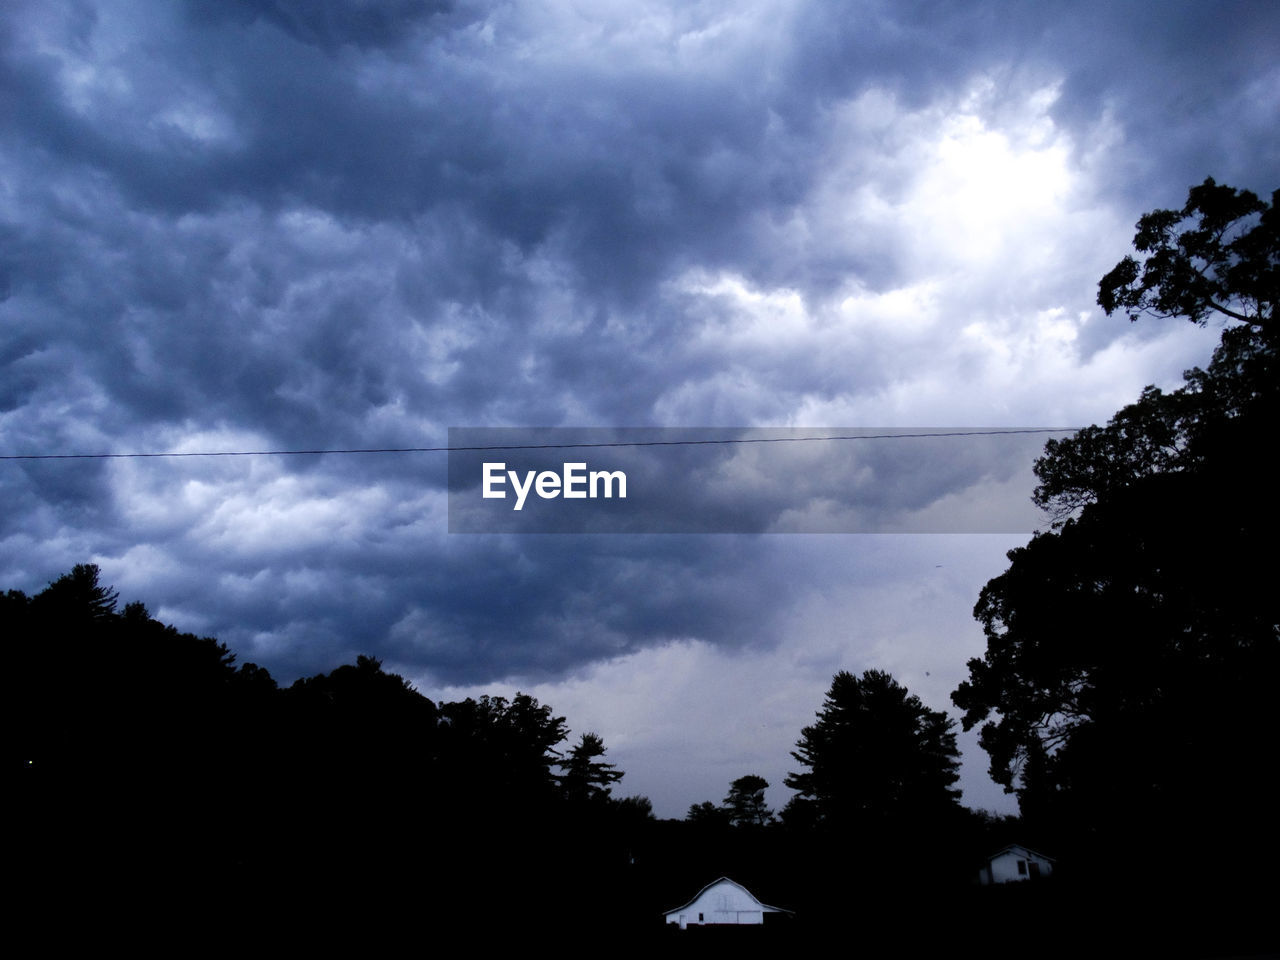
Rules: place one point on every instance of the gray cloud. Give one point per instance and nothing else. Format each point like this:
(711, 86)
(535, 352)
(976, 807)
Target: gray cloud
(253, 226)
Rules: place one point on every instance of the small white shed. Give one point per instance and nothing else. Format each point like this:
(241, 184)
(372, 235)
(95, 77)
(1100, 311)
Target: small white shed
(721, 902)
(1014, 864)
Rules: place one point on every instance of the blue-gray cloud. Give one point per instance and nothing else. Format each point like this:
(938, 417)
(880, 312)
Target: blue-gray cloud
(251, 225)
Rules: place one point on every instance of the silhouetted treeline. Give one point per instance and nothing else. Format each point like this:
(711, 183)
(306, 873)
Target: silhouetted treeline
(155, 769)
(149, 761)
(155, 776)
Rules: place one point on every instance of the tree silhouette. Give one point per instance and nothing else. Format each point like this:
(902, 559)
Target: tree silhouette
(145, 752)
(876, 754)
(586, 778)
(497, 752)
(708, 814)
(77, 597)
(1217, 254)
(635, 808)
(1129, 653)
(745, 802)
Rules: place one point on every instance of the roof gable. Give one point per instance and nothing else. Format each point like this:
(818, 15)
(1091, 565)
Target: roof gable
(1019, 850)
(745, 899)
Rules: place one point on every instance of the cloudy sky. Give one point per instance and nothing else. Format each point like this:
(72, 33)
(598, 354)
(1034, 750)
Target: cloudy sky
(231, 225)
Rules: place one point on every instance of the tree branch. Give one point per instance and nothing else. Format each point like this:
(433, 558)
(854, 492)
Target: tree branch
(1231, 313)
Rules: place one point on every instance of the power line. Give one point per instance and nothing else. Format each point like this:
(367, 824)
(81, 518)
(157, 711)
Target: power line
(528, 446)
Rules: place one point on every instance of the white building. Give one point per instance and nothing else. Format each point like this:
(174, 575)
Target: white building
(720, 902)
(1013, 864)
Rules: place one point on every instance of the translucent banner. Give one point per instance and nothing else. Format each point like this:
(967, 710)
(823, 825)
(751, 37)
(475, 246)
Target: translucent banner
(744, 480)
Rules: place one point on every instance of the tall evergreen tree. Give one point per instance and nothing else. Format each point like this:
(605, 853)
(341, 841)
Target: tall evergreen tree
(586, 777)
(876, 754)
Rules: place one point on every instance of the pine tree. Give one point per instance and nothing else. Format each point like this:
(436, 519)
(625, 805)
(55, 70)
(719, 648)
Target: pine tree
(745, 802)
(587, 778)
(875, 754)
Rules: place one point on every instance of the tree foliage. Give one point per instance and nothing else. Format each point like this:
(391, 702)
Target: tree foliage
(745, 802)
(494, 748)
(147, 751)
(78, 596)
(875, 754)
(586, 778)
(1217, 254)
(1123, 679)
(708, 814)
(635, 808)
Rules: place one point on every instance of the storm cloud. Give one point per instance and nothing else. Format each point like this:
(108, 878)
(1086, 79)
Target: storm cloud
(262, 226)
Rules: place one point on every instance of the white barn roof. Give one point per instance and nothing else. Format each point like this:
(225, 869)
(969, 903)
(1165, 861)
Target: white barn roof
(722, 901)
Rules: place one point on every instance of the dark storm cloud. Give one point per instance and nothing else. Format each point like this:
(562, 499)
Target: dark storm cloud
(261, 225)
(529, 606)
(373, 24)
(1191, 83)
(536, 607)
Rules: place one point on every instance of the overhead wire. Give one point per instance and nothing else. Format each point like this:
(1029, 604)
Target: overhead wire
(530, 446)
